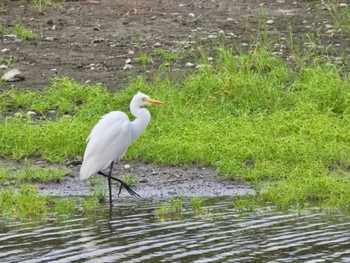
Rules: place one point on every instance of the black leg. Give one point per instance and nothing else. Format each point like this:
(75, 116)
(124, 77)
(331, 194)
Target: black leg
(110, 183)
(123, 184)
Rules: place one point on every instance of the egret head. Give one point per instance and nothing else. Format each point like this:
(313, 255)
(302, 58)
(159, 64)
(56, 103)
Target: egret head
(142, 99)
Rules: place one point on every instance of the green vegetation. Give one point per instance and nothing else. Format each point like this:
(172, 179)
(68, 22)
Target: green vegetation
(26, 202)
(175, 208)
(252, 116)
(167, 55)
(41, 5)
(144, 59)
(281, 125)
(197, 204)
(31, 173)
(129, 179)
(340, 13)
(18, 30)
(172, 208)
(22, 32)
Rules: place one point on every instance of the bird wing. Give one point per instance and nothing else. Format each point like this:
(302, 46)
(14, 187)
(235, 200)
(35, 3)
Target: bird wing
(107, 142)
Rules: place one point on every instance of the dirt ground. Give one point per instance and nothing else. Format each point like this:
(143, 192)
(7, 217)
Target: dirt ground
(90, 41)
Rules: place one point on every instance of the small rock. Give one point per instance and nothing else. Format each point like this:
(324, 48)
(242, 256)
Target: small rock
(191, 15)
(5, 50)
(98, 40)
(202, 66)
(3, 66)
(10, 36)
(128, 66)
(127, 166)
(157, 44)
(189, 64)
(13, 75)
(128, 61)
(51, 39)
(269, 22)
(32, 113)
(130, 52)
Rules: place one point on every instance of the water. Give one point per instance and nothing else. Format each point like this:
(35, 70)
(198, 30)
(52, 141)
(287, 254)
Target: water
(131, 233)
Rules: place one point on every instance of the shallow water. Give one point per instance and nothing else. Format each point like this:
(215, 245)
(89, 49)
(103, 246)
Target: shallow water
(131, 233)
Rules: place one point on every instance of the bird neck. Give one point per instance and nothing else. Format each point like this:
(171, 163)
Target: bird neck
(138, 126)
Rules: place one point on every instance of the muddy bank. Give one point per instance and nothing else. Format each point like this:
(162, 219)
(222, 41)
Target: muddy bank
(154, 181)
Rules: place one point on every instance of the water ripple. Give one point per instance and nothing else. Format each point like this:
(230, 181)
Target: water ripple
(131, 233)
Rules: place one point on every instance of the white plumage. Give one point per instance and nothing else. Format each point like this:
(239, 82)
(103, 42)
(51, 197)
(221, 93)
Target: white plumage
(113, 134)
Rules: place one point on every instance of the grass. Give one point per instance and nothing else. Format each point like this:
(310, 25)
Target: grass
(25, 202)
(129, 179)
(22, 32)
(175, 208)
(340, 13)
(251, 115)
(19, 30)
(172, 208)
(31, 173)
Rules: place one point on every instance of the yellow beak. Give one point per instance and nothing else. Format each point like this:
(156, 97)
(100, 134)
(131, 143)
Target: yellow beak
(154, 101)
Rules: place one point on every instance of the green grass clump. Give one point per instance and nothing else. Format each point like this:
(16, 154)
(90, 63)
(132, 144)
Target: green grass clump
(22, 32)
(340, 13)
(24, 203)
(172, 208)
(129, 179)
(18, 30)
(31, 173)
(252, 116)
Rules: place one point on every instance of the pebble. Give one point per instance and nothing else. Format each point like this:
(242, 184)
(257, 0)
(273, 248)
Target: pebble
(269, 22)
(51, 39)
(157, 44)
(131, 52)
(98, 40)
(5, 50)
(13, 75)
(128, 61)
(128, 66)
(127, 166)
(32, 113)
(189, 64)
(202, 66)
(3, 66)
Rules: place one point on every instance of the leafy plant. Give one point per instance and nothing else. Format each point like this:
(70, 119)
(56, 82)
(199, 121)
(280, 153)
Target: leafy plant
(23, 32)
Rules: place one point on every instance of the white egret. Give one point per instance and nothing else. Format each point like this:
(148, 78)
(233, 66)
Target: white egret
(111, 137)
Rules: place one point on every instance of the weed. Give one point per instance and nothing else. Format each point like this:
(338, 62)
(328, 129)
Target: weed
(172, 208)
(41, 5)
(23, 32)
(88, 204)
(24, 203)
(167, 54)
(31, 173)
(339, 12)
(144, 59)
(129, 179)
(197, 204)
(100, 191)
(65, 206)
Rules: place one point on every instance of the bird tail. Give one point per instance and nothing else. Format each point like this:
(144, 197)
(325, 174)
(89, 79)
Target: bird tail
(85, 171)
